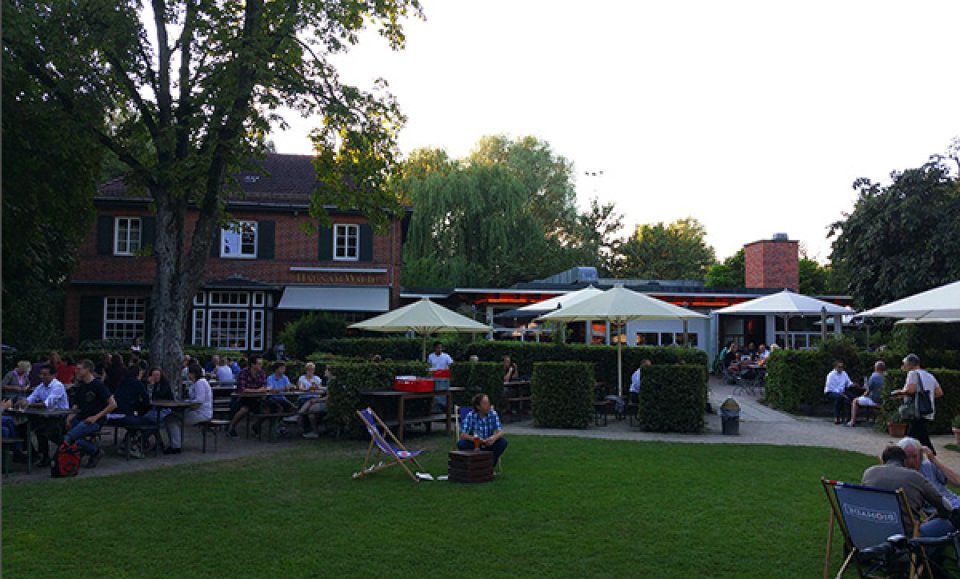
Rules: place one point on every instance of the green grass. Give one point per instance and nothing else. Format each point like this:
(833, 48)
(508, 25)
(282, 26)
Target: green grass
(563, 508)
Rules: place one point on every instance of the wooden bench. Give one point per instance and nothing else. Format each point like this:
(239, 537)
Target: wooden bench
(214, 427)
(7, 446)
(519, 400)
(270, 417)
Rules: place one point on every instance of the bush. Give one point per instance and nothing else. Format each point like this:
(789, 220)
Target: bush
(673, 398)
(388, 348)
(562, 394)
(947, 406)
(351, 378)
(477, 377)
(302, 336)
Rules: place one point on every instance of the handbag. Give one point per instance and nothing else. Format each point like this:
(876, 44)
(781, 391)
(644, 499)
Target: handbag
(908, 411)
(922, 399)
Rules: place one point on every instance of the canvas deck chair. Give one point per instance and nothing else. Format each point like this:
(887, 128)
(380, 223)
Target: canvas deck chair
(383, 439)
(868, 516)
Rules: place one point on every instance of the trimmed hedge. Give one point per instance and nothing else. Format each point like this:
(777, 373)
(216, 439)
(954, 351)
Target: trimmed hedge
(947, 406)
(352, 378)
(478, 377)
(672, 398)
(562, 394)
(388, 348)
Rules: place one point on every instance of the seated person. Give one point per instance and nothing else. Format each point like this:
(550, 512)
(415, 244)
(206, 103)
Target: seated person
(200, 395)
(133, 405)
(835, 388)
(932, 468)
(9, 430)
(278, 382)
(510, 370)
(482, 423)
(313, 405)
(250, 379)
(49, 394)
(635, 382)
(762, 354)
(895, 474)
(19, 376)
(94, 402)
(872, 397)
(224, 372)
(159, 388)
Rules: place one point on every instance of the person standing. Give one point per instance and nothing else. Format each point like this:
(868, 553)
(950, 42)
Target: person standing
(439, 360)
(835, 390)
(919, 379)
(635, 381)
(94, 402)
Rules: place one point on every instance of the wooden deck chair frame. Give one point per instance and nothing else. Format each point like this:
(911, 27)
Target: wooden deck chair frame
(375, 448)
(917, 568)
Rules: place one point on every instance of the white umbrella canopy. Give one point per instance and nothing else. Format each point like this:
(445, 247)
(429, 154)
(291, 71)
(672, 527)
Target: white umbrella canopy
(618, 306)
(564, 301)
(785, 303)
(424, 318)
(941, 303)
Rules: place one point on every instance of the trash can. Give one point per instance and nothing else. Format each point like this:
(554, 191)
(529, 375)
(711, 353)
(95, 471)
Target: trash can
(730, 416)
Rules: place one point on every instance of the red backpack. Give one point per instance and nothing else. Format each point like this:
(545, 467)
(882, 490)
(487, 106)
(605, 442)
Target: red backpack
(66, 462)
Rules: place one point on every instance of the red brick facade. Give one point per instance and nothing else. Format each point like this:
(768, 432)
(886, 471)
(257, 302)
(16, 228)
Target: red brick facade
(772, 264)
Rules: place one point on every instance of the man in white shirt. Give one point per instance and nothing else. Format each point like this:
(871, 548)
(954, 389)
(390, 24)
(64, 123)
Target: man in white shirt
(438, 359)
(635, 381)
(49, 394)
(835, 389)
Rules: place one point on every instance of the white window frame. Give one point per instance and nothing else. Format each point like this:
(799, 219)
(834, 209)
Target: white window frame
(229, 299)
(128, 240)
(234, 233)
(349, 230)
(138, 324)
(241, 314)
(198, 329)
(256, 329)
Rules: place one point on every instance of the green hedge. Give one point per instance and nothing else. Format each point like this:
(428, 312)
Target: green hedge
(672, 398)
(947, 406)
(478, 377)
(562, 394)
(388, 348)
(352, 378)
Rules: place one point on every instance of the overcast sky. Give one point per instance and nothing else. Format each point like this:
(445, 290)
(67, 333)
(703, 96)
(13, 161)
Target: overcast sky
(753, 117)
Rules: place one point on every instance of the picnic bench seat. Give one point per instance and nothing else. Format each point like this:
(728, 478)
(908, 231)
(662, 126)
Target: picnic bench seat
(8, 443)
(270, 417)
(213, 426)
(518, 400)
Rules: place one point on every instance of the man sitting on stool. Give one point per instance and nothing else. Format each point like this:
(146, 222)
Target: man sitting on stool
(482, 422)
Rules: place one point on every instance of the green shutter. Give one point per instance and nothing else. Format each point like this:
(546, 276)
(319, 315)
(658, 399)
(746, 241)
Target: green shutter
(215, 246)
(326, 243)
(366, 243)
(148, 322)
(148, 231)
(266, 234)
(105, 235)
(91, 318)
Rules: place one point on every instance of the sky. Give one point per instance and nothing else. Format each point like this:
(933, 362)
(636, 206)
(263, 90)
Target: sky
(752, 117)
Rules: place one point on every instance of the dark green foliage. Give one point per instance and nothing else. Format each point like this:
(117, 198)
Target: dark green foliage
(676, 250)
(728, 274)
(562, 394)
(350, 379)
(477, 377)
(388, 348)
(302, 337)
(947, 406)
(673, 398)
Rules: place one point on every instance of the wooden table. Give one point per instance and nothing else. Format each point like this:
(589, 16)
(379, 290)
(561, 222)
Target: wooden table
(32, 414)
(175, 406)
(402, 397)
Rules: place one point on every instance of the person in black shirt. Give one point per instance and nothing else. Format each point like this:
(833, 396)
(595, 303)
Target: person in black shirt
(93, 403)
(133, 403)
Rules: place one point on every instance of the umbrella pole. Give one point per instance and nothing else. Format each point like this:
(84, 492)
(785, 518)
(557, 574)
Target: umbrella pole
(424, 349)
(619, 361)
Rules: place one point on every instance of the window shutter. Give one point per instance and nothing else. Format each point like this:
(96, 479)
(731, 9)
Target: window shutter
(266, 234)
(148, 322)
(148, 231)
(105, 235)
(215, 246)
(91, 318)
(366, 243)
(326, 243)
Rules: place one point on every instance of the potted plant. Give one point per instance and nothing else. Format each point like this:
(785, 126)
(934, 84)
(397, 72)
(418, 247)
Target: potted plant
(956, 427)
(895, 425)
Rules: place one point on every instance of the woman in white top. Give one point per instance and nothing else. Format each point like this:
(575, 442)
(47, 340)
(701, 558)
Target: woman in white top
(201, 396)
(314, 403)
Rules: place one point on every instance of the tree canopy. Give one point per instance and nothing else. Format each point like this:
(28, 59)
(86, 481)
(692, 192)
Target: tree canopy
(730, 273)
(676, 250)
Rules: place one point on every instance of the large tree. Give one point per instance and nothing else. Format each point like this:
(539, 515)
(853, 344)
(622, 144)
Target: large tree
(676, 250)
(901, 238)
(730, 273)
(190, 88)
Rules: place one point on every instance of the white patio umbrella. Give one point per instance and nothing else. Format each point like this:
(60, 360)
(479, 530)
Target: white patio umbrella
(424, 318)
(941, 303)
(618, 306)
(786, 304)
(564, 301)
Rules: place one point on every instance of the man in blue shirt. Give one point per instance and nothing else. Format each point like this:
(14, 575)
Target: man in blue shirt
(483, 423)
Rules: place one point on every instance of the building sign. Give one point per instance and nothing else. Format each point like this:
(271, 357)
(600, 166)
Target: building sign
(340, 278)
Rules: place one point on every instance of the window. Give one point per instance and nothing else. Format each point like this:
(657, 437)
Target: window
(123, 318)
(198, 319)
(228, 329)
(126, 236)
(239, 240)
(228, 299)
(346, 242)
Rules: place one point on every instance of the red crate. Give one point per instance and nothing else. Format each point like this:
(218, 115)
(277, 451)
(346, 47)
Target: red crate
(417, 385)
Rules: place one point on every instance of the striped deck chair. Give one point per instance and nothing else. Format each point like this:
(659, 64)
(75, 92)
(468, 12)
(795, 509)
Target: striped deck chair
(387, 443)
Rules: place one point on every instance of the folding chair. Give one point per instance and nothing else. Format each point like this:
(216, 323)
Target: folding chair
(868, 516)
(379, 435)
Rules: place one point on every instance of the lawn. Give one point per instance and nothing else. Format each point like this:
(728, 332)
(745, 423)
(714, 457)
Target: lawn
(562, 508)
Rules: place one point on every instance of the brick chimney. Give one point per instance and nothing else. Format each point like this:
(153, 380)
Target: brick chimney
(772, 263)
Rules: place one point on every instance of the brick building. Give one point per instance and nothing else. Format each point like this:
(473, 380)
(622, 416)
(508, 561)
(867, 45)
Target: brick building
(269, 267)
(772, 263)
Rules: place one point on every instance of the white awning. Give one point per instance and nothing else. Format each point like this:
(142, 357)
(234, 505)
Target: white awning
(336, 299)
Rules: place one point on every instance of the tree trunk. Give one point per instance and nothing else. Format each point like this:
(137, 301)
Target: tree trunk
(171, 305)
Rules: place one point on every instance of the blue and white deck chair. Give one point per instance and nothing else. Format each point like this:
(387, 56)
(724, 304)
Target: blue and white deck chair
(868, 516)
(387, 443)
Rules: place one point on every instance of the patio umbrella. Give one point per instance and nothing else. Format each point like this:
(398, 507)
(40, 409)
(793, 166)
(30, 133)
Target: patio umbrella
(785, 304)
(424, 318)
(619, 306)
(941, 303)
(530, 311)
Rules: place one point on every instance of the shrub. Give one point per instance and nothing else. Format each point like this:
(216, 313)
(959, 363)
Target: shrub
(562, 394)
(947, 406)
(476, 377)
(301, 336)
(350, 379)
(388, 348)
(672, 398)
(795, 377)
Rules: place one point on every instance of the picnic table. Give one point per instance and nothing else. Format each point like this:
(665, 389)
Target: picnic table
(175, 406)
(39, 414)
(401, 397)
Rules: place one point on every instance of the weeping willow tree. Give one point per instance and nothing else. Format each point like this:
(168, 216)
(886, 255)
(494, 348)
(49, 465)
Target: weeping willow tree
(471, 225)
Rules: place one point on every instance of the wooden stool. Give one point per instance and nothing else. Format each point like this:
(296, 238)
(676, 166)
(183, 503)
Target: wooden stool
(470, 466)
(214, 427)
